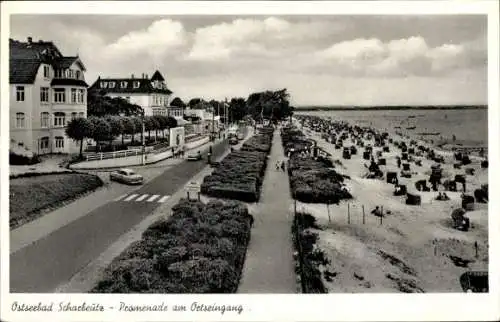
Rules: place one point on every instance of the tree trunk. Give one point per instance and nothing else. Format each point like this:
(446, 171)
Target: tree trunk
(81, 148)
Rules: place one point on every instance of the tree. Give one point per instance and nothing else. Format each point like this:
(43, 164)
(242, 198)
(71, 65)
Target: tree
(98, 104)
(129, 127)
(177, 102)
(137, 125)
(101, 130)
(116, 127)
(194, 102)
(171, 122)
(237, 109)
(151, 124)
(269, 105)
(78, 129)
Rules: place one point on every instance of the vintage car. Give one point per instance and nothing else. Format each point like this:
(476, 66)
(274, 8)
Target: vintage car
(195, 156)
(126, 176)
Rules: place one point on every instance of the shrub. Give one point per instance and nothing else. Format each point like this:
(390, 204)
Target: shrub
(200, 248)
(239, 176)
(17, 159)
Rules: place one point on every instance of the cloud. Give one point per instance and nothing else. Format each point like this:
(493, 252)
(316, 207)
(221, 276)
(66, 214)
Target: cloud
(396, 58)
(268, 37)
(158, 40)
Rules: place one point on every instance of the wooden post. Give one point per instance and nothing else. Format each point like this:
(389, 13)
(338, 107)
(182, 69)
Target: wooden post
(476, 247)
(348, 214)
(328, 210)
(295, 207)
(363, 206)
(381, 213)
(189, 197)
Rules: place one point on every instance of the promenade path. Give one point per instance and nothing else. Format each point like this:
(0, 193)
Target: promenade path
(269, 264)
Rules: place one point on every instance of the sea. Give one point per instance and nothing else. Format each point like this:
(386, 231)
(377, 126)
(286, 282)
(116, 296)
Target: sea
(469, 126)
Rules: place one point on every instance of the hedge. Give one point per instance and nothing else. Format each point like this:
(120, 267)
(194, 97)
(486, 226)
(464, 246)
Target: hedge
(312, 180)
(309, 257)
(17, 159)
(239, 176)
(200, 248)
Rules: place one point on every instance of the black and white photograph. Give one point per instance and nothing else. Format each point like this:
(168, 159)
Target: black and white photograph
(199, 149)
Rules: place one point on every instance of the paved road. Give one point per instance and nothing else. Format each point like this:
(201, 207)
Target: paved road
(54, 259)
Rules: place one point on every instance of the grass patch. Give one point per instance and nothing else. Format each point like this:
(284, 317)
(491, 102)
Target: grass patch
(201, 248)
(31, 194)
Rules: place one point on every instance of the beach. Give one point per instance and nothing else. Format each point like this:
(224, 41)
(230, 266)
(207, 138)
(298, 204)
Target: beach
(411, 248)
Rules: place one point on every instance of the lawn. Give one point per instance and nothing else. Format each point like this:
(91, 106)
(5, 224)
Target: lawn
(31, 196)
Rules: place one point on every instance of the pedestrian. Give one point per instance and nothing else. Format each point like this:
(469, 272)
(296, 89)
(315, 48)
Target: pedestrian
(283, 166)
(277, 165)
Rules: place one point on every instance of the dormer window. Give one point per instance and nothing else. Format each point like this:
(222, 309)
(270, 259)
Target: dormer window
(123, 84)
(78, 73)
(104, 84)
(137, 84)
(111, 84)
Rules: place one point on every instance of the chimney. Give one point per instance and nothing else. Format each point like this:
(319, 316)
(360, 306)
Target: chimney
(132, 76)
(30, 40)
(146, 76)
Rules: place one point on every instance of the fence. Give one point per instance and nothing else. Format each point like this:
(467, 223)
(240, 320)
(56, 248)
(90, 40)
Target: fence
(113, 155)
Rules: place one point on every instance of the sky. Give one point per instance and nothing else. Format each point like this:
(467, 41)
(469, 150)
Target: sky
(321, 60)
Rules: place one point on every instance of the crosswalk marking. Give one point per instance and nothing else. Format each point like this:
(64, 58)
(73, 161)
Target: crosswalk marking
(131, 197)
(121, 197)
(153, 197)
(141, 198)
(144, 197)
(162, 200)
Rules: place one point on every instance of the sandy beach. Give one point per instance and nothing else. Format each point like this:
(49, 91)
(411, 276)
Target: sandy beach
(413, 248)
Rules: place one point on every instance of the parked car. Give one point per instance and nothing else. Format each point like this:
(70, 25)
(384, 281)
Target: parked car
(126, 176)
(195, 156)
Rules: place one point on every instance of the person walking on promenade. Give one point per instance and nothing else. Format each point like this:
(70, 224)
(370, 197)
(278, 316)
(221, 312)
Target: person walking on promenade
(283, 166)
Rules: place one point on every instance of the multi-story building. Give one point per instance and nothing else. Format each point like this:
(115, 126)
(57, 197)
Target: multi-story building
(151, 94)
(47, 90)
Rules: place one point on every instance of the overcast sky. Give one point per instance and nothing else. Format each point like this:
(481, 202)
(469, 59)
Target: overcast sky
(321, 60)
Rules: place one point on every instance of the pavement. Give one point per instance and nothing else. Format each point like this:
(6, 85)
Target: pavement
(40, 265)
(269, 264)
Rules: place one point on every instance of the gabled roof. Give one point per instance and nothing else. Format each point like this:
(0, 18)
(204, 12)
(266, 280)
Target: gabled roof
(157, 76)
(128, 85)
(23, 71)
(66, 62)
(25, 59)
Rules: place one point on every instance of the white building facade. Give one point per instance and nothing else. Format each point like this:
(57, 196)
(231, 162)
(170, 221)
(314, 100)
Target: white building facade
(151, 94)
(47, 90)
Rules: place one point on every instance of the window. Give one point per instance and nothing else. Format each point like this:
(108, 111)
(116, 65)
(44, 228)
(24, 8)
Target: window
(78, 74)
(44, 143)
(59, 119)
(59, 142)
(81, 114)
(20, 93)
(123, 84)
(73, 95)
(44, 94)
(74, 115)
(81, 96)
(137, 84)
(20, 120)
(111, 84)
(59, 95)
(104, 84)
(46, 71)
(58, 73)
(44, 119)
(69, 73)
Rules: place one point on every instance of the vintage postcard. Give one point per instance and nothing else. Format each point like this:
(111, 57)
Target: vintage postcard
(250, 161)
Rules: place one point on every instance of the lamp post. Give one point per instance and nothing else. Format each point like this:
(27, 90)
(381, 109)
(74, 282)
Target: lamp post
(143, 139)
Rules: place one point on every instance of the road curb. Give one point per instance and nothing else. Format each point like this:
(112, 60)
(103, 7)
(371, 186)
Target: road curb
(84, 280)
